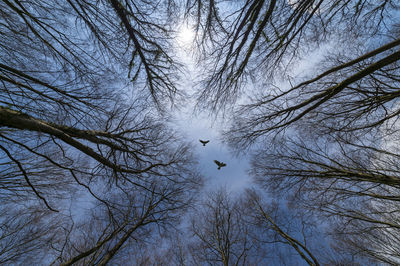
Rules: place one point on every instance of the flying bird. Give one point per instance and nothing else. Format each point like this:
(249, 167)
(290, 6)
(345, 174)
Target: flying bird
(220, 164)
(204, 142)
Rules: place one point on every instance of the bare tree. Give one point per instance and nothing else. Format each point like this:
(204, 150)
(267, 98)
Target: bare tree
(170, 249)
(249, 230)
(255, 38)
(357, 96)
(324, 138)
(27, 232)
(71, 103)
(354, 186)
(124, 212)
(220, 233)
(129, 216)
(80, 82)
(262, 217)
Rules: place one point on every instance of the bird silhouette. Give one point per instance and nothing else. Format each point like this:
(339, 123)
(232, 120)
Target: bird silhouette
(220, 164)
(204, 142)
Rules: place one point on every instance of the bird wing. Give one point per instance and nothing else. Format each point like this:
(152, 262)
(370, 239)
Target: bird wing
(217, 162)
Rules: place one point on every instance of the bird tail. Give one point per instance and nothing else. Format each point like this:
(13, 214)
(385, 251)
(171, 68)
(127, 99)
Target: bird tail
(219, 167)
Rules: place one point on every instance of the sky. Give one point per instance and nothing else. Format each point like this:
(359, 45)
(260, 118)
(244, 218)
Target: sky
(205, 126)
(197, 125)
(193, 126)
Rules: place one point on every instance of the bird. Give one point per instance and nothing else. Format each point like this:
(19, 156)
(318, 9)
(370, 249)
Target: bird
(204, 142)
(220, 164)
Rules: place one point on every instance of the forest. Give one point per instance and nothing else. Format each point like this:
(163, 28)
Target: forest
(93, 171)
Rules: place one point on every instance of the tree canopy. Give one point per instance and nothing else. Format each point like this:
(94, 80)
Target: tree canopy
(92, 170)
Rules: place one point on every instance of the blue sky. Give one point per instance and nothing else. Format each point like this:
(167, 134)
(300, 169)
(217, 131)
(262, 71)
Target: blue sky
(197, 125)
(206, 126)
(233, 176)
